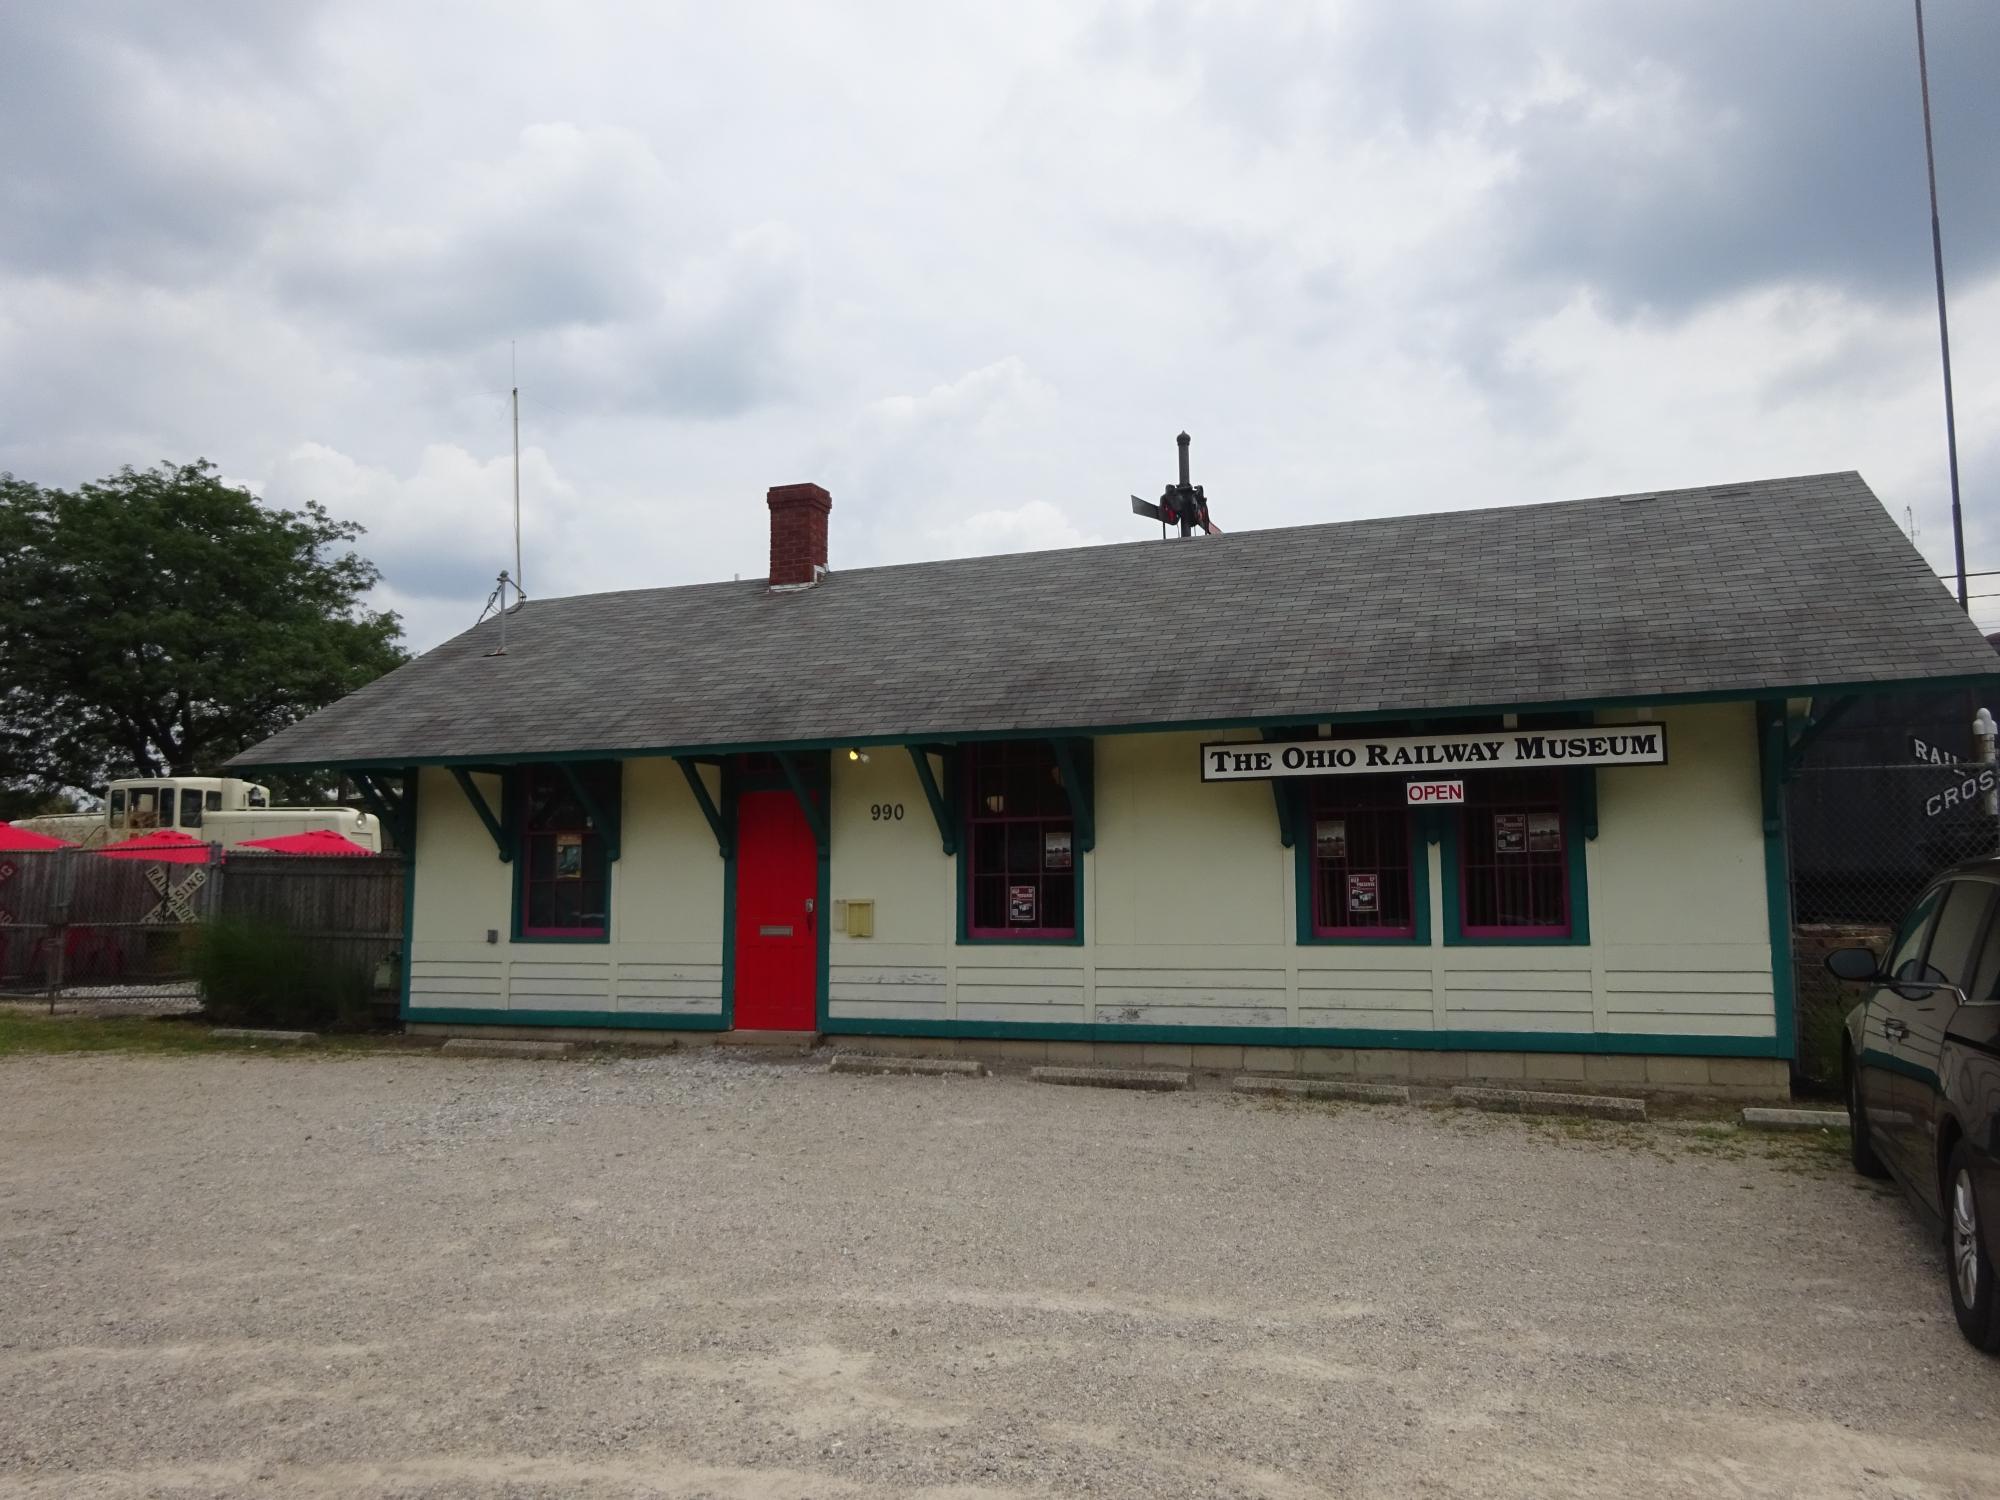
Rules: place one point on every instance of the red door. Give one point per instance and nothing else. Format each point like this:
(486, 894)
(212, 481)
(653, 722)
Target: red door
(777, 932)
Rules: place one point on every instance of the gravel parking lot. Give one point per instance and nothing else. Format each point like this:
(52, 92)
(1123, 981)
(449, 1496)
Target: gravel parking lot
(698, 1275)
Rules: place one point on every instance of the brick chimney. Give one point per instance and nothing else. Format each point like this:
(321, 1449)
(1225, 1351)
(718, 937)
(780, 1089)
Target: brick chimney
(798, 532)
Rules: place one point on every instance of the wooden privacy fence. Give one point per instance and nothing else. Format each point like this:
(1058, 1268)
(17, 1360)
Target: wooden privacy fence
(347, 910)
(73, 922)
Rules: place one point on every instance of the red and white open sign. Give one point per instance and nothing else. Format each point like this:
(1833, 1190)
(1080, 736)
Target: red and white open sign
(1429, 793)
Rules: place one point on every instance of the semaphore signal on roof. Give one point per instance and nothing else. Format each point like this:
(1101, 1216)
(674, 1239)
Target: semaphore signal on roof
(1183, 505)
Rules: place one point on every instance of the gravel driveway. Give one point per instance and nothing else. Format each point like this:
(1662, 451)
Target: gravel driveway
(698, 1275)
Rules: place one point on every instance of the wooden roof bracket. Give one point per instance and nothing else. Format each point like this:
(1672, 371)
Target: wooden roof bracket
(1081, 809)
(717, 826)
(815, 815)
(920, 757)
(607, 826)
(501, 842)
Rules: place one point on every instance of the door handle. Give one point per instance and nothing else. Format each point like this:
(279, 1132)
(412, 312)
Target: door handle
(1895, 1030)
(812, 922)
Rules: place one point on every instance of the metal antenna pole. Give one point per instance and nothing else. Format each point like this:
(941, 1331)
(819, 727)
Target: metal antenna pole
(517, 479)
(1944, 328)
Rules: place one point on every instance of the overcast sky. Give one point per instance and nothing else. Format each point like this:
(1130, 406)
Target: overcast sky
(971, 267)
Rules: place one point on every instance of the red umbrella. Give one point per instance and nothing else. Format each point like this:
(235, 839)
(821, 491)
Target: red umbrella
(169, 846)
(13, 840)
(314, 841)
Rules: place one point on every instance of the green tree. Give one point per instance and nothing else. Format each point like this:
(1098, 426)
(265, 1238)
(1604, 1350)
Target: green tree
(158, 622)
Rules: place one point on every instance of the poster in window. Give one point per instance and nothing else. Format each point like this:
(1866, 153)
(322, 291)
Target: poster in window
(1055, 849)
(1021, 905)
(1364, 894)
(1510, 833)
(569, 856)
(1330, 838)
(1545, 833)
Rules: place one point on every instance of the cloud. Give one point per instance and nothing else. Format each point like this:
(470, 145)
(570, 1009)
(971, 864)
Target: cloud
(973, 270)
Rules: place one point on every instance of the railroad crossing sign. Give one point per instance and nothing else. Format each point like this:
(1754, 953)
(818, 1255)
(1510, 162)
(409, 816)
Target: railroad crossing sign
(176, 901)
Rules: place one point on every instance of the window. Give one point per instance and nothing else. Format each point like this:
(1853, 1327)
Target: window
(190, 808)
(564, 879)
(1906, 958)
(166, 807)
(1513, 856)
(1960, 919)
(1021, 858)
(117, 814)
(142, 807)
(1984, 985)
(1357, 845)
(214, 801)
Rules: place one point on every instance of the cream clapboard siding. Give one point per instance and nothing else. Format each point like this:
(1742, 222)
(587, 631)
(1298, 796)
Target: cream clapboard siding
(665, 953)
(1189, 901)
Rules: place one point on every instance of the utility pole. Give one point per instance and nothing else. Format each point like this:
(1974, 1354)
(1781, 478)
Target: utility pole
(1944, 328)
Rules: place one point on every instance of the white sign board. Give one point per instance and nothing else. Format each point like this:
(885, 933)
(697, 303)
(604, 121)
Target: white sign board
(1608, 745)
(1432, 793)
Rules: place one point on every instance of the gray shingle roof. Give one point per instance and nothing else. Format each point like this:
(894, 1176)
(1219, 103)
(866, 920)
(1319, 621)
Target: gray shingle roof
(1787, 583)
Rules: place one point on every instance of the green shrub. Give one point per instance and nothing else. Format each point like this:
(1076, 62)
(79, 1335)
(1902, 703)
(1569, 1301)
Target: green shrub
(255, 974)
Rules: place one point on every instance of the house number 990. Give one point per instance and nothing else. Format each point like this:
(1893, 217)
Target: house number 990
(886, 812)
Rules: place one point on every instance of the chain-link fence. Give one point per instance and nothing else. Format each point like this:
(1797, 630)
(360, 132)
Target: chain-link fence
(78, 925)
(83, 930)
(1864, 841)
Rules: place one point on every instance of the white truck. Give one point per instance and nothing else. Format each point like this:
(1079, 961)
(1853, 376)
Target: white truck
(215, 809)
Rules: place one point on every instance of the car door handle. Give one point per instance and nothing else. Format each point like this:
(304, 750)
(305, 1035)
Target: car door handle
(1895, 1030)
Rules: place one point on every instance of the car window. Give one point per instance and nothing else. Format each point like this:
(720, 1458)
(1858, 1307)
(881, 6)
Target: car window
(1960, 923)
(1906, 958)
(1985, 984)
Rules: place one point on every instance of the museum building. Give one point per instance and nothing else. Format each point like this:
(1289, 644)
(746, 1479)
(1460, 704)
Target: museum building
(1483, 794)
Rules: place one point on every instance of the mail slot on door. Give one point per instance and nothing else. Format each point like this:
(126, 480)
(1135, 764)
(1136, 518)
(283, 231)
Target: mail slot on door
(774, 931)
(1429, 793)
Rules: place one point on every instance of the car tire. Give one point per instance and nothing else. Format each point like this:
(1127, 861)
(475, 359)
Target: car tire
(1861, 1149)
(1968, 1257)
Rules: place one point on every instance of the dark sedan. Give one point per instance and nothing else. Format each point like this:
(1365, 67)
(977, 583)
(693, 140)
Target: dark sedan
(1922, 1064)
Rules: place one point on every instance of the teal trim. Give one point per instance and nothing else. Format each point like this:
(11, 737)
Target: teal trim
(392, 809)
(624, 1020)
(1281, 796)
(1600, 1043)
(1990, 680)
(1453, 827)
(731, 790)
(920, 757)
(1420, 833)
(823, 931)
(501, 842)
(706, 803)
(607, 826)
(1080, 792)
(409, 805)
(815, 815)
(1771, 754)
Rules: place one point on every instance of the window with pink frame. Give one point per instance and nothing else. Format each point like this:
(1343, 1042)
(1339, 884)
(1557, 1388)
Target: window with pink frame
(1513, 856)
(565, 884)
(1021, 872)
(1359, 828)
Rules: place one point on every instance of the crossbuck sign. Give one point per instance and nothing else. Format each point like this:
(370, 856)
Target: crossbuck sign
(1612, 745)
(176, 901)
